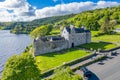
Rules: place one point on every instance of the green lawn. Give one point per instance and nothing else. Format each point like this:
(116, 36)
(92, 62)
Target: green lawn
(51, 60)
(115, 38)
(99, 45)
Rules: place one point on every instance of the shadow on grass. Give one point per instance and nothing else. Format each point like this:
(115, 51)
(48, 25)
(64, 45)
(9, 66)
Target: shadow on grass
(96, 45)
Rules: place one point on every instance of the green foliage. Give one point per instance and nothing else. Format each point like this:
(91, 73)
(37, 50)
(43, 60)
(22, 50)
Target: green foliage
(65, 74)
(21, 67)
(55, 32)
(41, 31)
(49, 28)
(105, 28)
(96, 19)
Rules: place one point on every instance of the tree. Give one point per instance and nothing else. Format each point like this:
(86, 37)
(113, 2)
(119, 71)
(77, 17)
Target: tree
(38, 32)
(41, 31)
(63, 73)
(105, 28)
(21, 67)
(112, 24)
(49, 28)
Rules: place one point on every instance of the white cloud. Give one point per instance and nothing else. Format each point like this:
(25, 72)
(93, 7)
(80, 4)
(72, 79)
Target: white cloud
(21, 10)
(74, 7)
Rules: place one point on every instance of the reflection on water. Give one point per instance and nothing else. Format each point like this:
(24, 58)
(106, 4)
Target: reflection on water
(11, 44)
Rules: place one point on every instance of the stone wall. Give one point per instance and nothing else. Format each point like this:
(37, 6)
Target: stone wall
(79, 38)
(42, 47)
(88, 37)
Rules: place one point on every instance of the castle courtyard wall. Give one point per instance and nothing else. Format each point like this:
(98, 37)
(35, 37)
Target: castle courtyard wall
(42, 47)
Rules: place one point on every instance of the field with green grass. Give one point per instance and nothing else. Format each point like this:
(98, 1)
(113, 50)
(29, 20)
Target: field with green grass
(114, 38)
(99, 45)
(51, 60)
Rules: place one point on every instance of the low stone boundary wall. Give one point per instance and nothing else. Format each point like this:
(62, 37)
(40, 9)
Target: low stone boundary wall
(93, 61)
(50, 72)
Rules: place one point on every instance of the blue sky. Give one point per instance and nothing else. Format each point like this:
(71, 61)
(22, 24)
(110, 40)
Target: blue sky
(44, 3)
(27, 10)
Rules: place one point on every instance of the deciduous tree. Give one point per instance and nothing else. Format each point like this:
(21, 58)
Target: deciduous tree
(21, 67)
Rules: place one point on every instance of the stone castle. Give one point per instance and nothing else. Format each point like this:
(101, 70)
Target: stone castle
(70, 37)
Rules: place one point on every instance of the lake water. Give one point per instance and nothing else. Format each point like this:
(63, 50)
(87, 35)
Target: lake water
(11, 44)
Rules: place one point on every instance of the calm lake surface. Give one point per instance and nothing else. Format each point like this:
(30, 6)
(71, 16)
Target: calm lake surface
(11, 44)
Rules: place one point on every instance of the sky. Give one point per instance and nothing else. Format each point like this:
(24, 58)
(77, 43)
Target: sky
(28, 10)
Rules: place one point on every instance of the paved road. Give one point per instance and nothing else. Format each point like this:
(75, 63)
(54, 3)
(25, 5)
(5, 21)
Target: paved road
(108, 69)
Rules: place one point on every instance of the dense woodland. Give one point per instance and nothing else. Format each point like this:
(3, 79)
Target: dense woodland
(99, 19)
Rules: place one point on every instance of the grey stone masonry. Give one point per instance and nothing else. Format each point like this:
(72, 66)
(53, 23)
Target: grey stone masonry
(70, 37)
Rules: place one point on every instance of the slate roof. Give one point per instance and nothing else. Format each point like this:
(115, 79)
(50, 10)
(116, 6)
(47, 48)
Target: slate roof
(68, 29)
(81, 30)
(54, 38)
(57, 38)
(77, 30)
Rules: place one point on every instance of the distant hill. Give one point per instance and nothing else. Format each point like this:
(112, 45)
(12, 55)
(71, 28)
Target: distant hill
(26, 27)
(92, 19)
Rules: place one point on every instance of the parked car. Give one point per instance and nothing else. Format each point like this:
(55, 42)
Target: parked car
(113, 53)
(86, 72)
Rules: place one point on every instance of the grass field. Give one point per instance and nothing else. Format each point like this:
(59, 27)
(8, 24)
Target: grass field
(115, 38)
(99, 45)
(51, 60)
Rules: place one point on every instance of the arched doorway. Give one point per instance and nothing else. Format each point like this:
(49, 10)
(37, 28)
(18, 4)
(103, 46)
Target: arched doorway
(72, 45)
